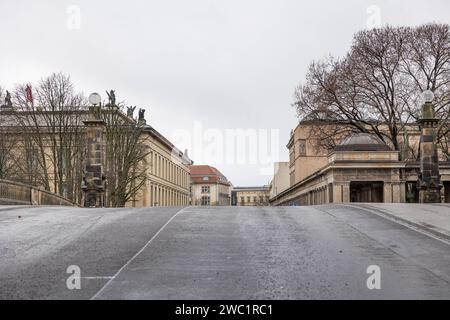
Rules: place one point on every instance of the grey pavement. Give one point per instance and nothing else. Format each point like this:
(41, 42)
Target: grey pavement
(317, 252)
(429, 218)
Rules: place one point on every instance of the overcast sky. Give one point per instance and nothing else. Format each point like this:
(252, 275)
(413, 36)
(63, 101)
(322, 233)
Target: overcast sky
(202, 69)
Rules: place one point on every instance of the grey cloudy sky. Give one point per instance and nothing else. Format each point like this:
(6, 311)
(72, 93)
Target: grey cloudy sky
(200, 63)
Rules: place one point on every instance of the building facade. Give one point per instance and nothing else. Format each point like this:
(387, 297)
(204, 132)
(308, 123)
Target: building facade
(280, 181)
(167, 169)
(209, 187)
(250, 196)
(361, 168)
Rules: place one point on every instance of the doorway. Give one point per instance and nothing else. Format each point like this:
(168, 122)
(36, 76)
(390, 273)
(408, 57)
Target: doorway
(366, 191)
(446, 191)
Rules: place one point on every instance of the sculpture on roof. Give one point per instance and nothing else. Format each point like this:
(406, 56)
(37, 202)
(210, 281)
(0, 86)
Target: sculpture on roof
(111, 97)
(141, 114)
(130, 111)
(8, 102)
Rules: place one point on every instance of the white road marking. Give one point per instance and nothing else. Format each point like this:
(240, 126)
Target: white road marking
(137, 253)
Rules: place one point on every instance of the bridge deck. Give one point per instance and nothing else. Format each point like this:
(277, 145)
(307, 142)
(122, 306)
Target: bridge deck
(218, 253)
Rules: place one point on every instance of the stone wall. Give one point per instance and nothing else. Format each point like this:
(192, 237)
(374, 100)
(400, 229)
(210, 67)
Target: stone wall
(14, 193)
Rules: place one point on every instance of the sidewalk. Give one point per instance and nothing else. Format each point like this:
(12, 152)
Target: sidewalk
(429, 218)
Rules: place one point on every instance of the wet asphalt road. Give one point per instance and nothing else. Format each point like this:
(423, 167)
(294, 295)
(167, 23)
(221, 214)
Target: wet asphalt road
(217, 253)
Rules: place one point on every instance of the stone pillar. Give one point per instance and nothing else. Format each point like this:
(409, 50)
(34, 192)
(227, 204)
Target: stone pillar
(94, 180)
(346, 192)
(403, 191)
(337, 193)
(396, 194)
(387, 192)
(429, 182)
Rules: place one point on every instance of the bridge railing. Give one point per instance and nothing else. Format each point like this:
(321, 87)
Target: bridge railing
(15, 193)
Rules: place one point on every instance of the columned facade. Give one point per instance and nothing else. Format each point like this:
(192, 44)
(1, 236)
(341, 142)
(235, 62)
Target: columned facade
(168, 173)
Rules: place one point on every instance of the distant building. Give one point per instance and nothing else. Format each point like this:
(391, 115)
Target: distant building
(280, 181)
(168, 174)
(250, 196)
(167, 168)
(209, 187)
(361, 168)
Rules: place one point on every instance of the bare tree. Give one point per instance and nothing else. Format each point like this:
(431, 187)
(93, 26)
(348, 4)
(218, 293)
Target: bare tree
(53, 145)
(53, 134)
(426, 62)
(126, 151)
(376, 87)
(8, 143)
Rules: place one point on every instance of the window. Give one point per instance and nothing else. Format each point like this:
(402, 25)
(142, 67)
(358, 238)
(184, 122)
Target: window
(255, 199)
(242, 199)
(302, 147)
(292, 157)
(205, 178)
(205, 189)
(205, 201)
(248, 199)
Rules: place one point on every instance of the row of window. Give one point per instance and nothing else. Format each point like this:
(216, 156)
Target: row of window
(260, 199)
(166, 169)
(162, 196)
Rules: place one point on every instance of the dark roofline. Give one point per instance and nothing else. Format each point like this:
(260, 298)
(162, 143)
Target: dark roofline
(85, 111)
(157, 135)
(251, 188)
(362, 147)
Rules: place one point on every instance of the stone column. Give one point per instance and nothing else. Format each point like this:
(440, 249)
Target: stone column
(337, 193)
(396, 194)
(429, 178)
(403, 191)
(346, 192)
(94, 180)
(387, 192)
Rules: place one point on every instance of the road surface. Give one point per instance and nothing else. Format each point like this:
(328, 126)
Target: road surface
(320, 252)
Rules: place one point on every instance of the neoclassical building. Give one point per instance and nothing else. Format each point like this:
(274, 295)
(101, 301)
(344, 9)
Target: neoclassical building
(168, 171)
(250, 196)
(166, 168)
(209, 187)
(280, 180)
(361, 168)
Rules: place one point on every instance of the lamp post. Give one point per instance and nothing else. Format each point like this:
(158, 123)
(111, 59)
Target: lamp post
(94, 181)
(429, 182)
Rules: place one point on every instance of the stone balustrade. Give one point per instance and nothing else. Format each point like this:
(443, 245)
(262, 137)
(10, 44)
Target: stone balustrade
(15, 193)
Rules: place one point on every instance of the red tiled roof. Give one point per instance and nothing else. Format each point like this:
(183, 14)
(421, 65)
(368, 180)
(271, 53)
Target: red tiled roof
(198, 172)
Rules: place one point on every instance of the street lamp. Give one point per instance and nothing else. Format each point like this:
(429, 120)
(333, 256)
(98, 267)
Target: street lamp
(94, 182)
(95, 98)
(429, 181)
(427, 96)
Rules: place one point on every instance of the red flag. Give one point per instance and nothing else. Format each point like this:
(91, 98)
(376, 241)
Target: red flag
(29, 93)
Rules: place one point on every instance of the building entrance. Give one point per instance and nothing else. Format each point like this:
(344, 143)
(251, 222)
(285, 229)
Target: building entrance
(446, 191)
(371, 191)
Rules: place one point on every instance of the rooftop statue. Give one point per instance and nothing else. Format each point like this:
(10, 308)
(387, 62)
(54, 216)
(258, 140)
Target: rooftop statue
(141, 114)
(130, 111)
(111, 97)
(8, 102)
